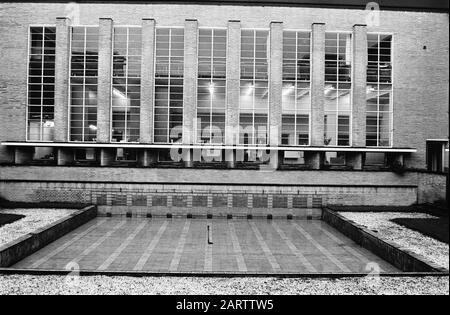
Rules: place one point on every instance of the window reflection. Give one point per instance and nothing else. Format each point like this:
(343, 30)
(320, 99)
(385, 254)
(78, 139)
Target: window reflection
(211, 87)
(338, 98)
(41, 83)
(126, 90)
(83, 83)
(296, 98)
(379, 91)
(168, 118)
(254, 92)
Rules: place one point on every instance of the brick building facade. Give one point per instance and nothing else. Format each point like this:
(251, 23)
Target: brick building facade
(224, 86)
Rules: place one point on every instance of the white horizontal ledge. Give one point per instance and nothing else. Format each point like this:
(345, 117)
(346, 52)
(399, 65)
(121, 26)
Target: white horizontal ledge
(205, 146)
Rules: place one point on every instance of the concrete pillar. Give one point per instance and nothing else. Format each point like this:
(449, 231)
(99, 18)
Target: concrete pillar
(190, 86)
(107, 156)
(104, 80)
(399, 158)
(188, 157)
(147, 157)
(64, 156)
(314, 159)
(62, 63)
(359, 70)
(275, 88)
(233, 86)
(147, 80)
(317, 84)
(230, 158)
(23, 155)
(354, 160)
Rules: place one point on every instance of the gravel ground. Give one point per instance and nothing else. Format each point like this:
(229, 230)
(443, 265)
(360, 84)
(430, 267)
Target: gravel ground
(34, 219)
(432, 249)
(25, 284)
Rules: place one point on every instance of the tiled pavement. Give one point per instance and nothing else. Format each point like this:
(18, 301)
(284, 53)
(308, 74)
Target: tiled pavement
(180, 245)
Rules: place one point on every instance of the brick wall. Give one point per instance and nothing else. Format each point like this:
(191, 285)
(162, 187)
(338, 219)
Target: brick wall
(209, 177)
(432, 187)
(420, 75)
(182, 191)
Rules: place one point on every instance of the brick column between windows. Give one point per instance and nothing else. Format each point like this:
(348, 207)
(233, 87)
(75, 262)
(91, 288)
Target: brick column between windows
(359, 85)
(62, 59)
(147, 80)
(147, 157)
(189, 86)
(275, 88)
(359, 72)
(317, 84)
(315, 159)
(104, 80)
(233, 93)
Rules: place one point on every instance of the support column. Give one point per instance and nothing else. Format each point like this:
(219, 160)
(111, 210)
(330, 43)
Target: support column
(314, 159)
(233, 93)
(354, 160)
(107, 156)
(23, 155)
(190, 86)
(317, 84)
(62, 62)
(65, 156)
(359, 68)
(147, 157)
(147, 80)
(275, 89)
(104, 80)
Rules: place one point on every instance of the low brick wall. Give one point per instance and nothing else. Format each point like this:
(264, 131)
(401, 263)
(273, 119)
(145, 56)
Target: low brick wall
(17, 250)
(401, 258)
(431, 187)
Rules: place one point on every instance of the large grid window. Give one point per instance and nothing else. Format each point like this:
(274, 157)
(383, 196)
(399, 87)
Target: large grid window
(41, 83)
(126, 89)
(296, 95)
(379, 91)
(254, 87)
(211, 86)
(83, 83)
(169, 85)
(338, 96)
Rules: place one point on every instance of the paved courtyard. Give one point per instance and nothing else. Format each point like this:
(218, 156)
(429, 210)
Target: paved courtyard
(181, 245)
